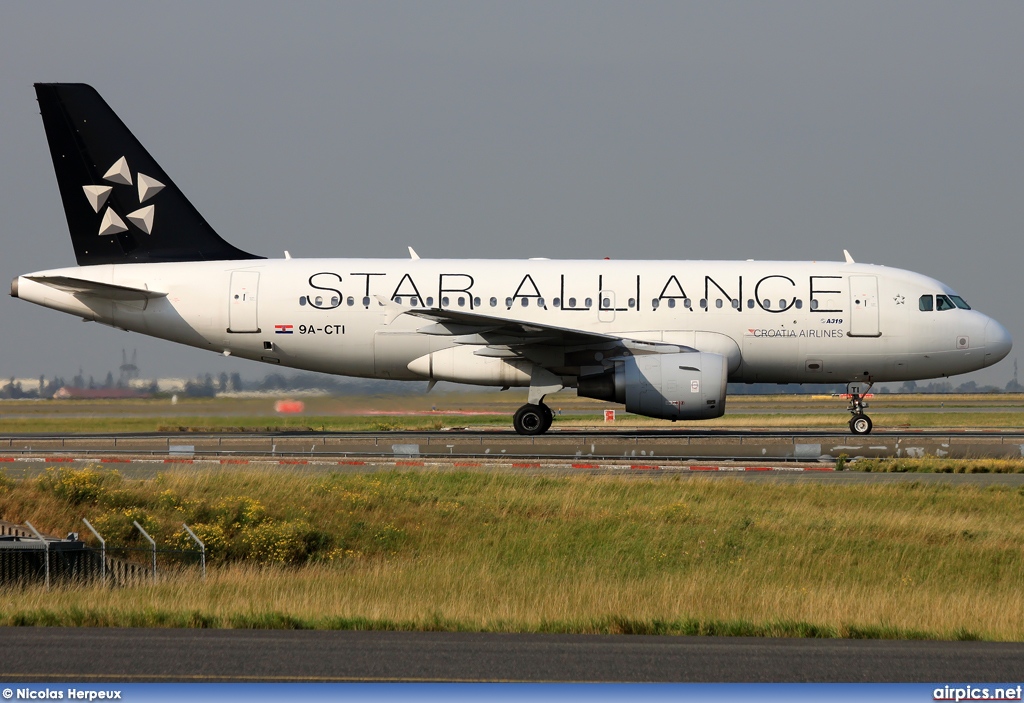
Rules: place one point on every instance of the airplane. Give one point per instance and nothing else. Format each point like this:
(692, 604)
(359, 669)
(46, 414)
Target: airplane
(663, 338)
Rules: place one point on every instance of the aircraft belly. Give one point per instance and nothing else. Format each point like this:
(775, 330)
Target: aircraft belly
(392, 353)
(767, 359)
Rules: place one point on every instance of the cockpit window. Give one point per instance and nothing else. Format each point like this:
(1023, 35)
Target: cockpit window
(942, 302)
(960, 302)
(926, 303)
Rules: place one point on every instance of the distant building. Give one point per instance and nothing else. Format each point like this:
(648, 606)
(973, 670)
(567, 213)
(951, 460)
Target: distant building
(69, 393)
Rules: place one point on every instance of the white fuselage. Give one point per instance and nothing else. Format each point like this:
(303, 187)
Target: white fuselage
(782, 322)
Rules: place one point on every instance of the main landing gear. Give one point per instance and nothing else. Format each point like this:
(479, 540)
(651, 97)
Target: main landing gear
(533, 419)
(859, 423)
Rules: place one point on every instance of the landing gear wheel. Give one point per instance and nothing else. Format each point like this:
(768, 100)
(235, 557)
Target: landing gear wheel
(549, 417)
(532, 419)
(860, 424)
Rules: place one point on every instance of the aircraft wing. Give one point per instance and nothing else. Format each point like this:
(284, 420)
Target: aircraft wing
(81, 286)
(509, 337)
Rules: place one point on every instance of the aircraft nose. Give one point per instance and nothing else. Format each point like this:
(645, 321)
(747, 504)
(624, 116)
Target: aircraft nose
(997, 342)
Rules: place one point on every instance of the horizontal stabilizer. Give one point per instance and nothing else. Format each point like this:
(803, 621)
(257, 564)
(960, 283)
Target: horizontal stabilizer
(79, 286)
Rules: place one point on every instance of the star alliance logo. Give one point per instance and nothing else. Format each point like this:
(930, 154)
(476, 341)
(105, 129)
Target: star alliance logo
(120, 174)
(900, 299)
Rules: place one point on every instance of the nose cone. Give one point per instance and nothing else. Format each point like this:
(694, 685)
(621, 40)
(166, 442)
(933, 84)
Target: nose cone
(997, 342)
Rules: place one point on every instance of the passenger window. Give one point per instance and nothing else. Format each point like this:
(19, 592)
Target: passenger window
(508, 302)
(318, 300)
(766, 304)
(654, 303)
(476, 302)
(366, 301)
(632, 303)
(671, 302)
(799, 304)
(735, 304)
(606, 302)
(444, 301)
(782, 304)
(398, 299)
(687, 303)
(302, 300)
(414, 301)
(814, 304)
(462, 301)
(704, 303)
(960, 302)
(526, 302)
(540, 302)
(587, 303)
(751, 304)
(943, 303)
(335, 301)
(351, 301)
(718, 303)
(557, 302)
(572, 302)
(494, 302)
(430, 301)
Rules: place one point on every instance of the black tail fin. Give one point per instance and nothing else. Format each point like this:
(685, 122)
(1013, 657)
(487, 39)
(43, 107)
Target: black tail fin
(121, 206)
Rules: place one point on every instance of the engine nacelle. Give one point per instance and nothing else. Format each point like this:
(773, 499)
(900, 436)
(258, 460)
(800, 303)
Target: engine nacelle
(684, 386)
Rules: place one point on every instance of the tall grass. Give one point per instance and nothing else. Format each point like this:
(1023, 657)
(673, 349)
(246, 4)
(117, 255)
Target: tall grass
(505, 552)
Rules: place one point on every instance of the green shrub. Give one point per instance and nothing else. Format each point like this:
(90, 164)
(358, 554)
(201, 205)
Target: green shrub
(78, 486)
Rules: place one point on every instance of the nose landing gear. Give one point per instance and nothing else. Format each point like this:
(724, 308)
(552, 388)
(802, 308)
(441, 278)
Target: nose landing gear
(859, 423)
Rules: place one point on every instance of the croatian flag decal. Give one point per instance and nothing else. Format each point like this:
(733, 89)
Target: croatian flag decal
(283, 329)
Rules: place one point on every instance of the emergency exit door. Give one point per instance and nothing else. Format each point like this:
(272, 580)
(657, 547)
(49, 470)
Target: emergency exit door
(242, 304)
(864, 306)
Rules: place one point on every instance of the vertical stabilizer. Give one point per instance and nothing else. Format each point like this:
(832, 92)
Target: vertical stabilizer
(120, 205)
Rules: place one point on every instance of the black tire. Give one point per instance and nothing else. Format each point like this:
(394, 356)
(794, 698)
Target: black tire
(549, 417)
(530, 420)
(860, 424)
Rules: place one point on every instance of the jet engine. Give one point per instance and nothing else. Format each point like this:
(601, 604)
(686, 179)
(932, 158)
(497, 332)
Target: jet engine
(683, 386)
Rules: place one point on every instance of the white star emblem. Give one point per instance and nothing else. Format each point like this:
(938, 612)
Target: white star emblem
(899, 299)
(120, 174)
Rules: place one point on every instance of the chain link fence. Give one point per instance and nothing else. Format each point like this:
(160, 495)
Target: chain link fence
(27, 557)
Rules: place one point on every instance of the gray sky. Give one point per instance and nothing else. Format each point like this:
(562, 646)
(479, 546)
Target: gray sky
(711, 130)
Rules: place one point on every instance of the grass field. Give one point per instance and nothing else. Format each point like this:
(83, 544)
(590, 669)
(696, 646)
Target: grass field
(504, 552)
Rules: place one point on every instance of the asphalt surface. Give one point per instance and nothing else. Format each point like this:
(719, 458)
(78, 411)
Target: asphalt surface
(711, 445)
(128, 655)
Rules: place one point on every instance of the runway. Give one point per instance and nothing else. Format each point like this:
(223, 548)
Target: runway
(128, 655)
(752, 456)
(649, 447)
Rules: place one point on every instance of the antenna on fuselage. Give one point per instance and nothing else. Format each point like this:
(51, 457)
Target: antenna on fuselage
(412, 254)
(849, 259)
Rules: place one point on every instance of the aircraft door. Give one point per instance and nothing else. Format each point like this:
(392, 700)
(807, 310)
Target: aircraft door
(864, 306)
(242, 302)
